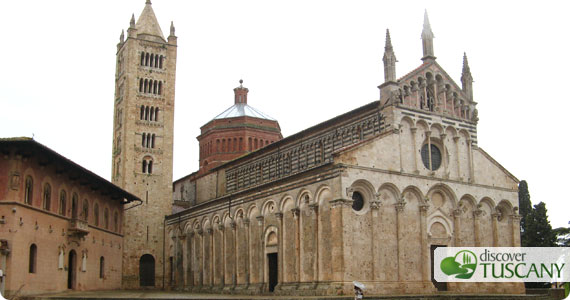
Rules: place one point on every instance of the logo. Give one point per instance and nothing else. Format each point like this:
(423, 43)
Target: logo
(463, 264)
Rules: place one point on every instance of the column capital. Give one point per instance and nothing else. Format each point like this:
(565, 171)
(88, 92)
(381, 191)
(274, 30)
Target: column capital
(400, 205)
(314, 207)
(246, 221)
(428, 133)
(477, 213)
(221, 227)
(375, 204)
(457, 212)
(413, 129)
(295, 211)
(456, 139)
(424, 207)
(349, 192)
(279, 215)
(210, 231)
(259, 220)
(443, 135)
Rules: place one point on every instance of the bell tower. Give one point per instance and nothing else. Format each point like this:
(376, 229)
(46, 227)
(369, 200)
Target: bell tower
(142, 143)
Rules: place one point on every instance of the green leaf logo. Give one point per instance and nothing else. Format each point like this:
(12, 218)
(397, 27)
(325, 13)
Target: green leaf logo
(463, 264)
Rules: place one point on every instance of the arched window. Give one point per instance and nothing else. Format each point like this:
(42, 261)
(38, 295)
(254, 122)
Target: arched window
(74, 204)
(47, 197)
(33, 259)
(151, 113)
(62, 202)
(141, 85)
(96, 214)
(28, 190)
(85, 210)
(106, 218)
(156, 61)
(146, 60)
(150, 166)
(142, 58)
(142, 112)
(152, 60)
(160, 88)
(156, 114)
(102, 267)
(143, 139)
(148, 141)
(161, 60)
(152, 143)
(116, 222)
(155, 86)
(145, 86)
(146, 113)
(144, 166)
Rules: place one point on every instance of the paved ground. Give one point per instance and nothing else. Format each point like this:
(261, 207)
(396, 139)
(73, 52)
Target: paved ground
(158, 295)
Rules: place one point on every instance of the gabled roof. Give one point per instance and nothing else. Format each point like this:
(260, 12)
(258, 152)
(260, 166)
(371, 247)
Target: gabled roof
(28, 146)
(243, 110)
(147, 22)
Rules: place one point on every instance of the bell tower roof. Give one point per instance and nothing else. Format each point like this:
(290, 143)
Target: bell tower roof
(147, 24)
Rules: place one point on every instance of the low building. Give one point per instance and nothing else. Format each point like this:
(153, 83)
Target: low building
(60, 224)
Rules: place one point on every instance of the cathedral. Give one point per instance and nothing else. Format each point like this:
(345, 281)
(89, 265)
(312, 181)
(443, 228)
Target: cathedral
(365, 196)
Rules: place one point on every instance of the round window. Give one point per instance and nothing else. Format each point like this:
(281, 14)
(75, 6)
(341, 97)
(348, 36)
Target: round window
(358, 202)
(435, 157)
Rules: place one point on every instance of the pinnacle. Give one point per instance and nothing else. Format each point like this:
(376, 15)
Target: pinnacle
(388, 41)
(466, 68)
(147, 22)
(427, 33)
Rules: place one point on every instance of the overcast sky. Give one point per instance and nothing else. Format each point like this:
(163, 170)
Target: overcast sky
(303, 61)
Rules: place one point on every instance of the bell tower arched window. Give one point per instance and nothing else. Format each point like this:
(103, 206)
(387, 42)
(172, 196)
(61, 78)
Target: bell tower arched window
(28, 190)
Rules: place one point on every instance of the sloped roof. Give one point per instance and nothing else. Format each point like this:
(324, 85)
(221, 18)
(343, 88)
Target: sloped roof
(31, 147)
(147, 22)
(243, 110)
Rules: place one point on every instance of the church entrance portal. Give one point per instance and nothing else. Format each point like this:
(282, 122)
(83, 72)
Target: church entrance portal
(273, 268)
(71, 270)
(146, 270)
(440, 286)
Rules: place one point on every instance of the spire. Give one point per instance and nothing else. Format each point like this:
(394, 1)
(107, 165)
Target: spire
(466, 78)
(122, 37)
(427, 39)
(389, 60)
(147, 23)
(172, 29)
(241, 93)
(132, 23)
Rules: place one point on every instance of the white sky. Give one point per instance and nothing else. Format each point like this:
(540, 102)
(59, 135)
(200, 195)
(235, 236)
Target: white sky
(303, 61)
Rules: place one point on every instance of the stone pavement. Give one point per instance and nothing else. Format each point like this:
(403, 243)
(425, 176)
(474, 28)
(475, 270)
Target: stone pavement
(160, 295)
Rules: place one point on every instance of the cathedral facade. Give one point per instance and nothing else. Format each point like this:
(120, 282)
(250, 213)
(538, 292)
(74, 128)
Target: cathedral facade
(366, 196)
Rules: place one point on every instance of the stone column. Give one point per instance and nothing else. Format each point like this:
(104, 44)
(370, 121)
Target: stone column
(280, 276)
(315, 216)
(400, 223)
(201, 279)
(233, 224)
(212, 257)
(443, 156)
(295, 211)
(248, 252)
(397, 131)
(456, 141)
(375, 224)
(428, 135)
(192, 253)
(470, 157)
(457, 226)
(476, 224)
(223, 252)
(337, 251)
(495, 217)
(413, 130)
(181, 264)
(424, 243)
(516, 221)
(261, 223)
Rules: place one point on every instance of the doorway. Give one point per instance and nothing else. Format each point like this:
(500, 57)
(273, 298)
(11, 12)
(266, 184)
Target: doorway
(71, 270)
(440, 286)
(146, 270)
(272, 270)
